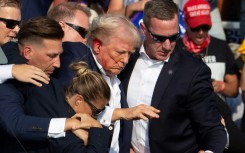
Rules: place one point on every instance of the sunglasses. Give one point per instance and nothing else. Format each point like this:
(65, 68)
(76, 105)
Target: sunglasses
(161, 38)
(95, 111)
(82, 31)
(11, 24)
(202, 27)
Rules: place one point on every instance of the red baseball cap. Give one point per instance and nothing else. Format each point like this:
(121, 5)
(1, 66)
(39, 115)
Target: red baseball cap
(197, 12)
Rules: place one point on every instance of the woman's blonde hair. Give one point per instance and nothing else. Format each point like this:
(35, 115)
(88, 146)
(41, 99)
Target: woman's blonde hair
(90, 84)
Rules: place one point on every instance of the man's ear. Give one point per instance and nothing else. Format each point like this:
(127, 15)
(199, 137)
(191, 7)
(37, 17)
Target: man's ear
(143, 28)
(78, 99)
(26, 52)
(96, 44)
(63, 25)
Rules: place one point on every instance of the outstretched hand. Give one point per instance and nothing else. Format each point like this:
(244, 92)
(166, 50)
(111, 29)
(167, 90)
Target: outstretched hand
(30, 74)
(141, 111)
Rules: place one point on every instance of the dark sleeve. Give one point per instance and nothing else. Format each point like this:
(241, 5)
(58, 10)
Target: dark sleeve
(98, 142)
(13, 120)
(64, 74)
(12, 53)
(204, 114)
(73, 52)
(236, 136)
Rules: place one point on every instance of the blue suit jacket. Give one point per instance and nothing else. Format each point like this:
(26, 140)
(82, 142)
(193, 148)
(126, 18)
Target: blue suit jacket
(15, 125)
(76, 52)
(49, 101)
(45, 102)
(189, 120)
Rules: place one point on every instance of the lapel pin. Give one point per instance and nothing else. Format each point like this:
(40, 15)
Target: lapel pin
(170, 72)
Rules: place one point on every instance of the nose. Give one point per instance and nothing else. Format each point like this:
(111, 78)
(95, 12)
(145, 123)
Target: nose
(125, 58)
(201, 31)
(56, 63)
(166, 44)
(16, 28)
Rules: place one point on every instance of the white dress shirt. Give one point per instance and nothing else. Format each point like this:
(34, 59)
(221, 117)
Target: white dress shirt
(5, 72)
(140, 90)
(105, 117)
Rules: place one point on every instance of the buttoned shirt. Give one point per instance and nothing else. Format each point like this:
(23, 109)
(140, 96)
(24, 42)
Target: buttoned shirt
(105, 117)
(140, 90)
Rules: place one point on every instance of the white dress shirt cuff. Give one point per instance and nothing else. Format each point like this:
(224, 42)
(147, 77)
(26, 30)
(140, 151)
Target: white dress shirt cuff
(208, 151)
(6, 72)
(56, 128)
(105, 117)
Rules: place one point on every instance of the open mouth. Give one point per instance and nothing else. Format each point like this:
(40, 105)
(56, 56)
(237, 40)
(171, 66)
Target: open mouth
(13, 38)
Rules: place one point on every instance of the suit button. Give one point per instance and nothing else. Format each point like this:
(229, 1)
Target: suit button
(110, 128)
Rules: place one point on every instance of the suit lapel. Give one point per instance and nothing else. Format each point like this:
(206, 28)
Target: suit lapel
(164, 78)
(126, 73)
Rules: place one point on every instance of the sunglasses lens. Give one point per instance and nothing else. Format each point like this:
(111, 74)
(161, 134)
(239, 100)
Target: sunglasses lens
(203, 28)
(174, 37)
(82, 32)
(11, 24)
(164, 38)
(158, 38)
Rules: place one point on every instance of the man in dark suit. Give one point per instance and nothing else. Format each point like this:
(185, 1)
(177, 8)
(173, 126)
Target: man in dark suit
(42, 50)
(161, 75)
(112, 39)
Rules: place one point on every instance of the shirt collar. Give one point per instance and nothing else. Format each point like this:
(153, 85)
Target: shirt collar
(113, 78)
(146, 58)
(98, 64)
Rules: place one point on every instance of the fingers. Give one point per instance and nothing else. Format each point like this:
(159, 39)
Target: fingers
(149, 111)
(141, 111)
(35, 82)
(86, 122)
(31, 74)
(148, 114)
(40, 76)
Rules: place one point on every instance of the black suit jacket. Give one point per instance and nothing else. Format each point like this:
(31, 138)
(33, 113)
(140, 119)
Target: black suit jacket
(49, 101)
(189, 120)
(76, 52)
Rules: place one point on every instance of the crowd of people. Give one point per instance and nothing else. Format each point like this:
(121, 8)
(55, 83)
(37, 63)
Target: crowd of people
(86, 77)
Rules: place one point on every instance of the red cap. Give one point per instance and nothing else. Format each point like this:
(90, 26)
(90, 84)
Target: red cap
(197, 12)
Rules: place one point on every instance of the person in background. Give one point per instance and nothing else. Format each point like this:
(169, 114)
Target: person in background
(126, 7)
(162, 75)
(74, 20)
(217, 55)
(217, 29)
(215, 52)
(9, 27)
